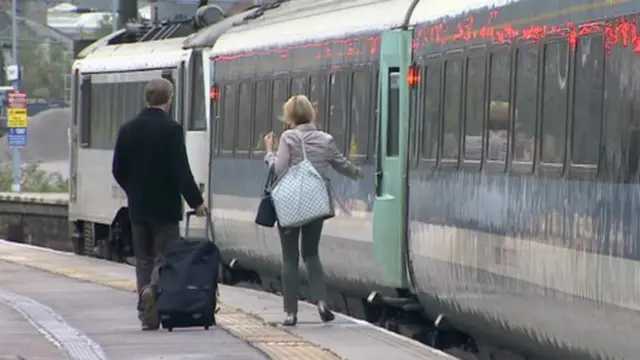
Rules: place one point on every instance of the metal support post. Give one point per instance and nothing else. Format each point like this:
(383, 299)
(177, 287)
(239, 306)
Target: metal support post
(16, 171)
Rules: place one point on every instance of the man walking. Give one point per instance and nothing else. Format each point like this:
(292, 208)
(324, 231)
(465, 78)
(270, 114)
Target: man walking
(150, 164)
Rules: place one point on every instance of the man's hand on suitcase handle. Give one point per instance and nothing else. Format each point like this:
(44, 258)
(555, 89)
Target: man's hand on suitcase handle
(200, 211)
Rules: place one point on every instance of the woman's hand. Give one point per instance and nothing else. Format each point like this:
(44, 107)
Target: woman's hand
(270, 141)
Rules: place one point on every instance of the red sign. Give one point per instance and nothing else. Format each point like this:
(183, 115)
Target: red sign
(17, 99)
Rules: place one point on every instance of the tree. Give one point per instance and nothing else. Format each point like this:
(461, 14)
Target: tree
(105, 27)
(46, 67)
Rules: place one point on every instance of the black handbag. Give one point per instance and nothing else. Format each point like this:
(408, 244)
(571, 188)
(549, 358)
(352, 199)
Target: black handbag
(266, 215)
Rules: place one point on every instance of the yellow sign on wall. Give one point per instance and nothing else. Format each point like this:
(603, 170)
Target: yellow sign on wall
(17, 118)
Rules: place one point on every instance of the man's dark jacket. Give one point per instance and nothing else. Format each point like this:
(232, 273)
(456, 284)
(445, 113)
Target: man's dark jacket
(150, 164)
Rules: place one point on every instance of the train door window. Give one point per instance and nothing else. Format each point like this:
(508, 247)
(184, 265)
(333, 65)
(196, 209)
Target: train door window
(498, 122)
(245, 118)
(198, 120)
(554, 107)
(431, 122)
(279, 97)
(526, 100)
(299, 86)
(474, 104)
(229, 116)
(588, 101)
(85, 112)
(338, 108)
(262, 123)
(360, 116)
(452, 102)
(318, 96)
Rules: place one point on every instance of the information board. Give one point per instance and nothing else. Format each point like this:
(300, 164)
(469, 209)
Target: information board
(17, 118)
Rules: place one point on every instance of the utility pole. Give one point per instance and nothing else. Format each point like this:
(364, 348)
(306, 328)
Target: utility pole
(127, 10)
(16, 171)
(114, 14)
(153, 10)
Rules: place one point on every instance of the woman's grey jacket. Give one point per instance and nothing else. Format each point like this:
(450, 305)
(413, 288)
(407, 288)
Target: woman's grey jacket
(321, 152)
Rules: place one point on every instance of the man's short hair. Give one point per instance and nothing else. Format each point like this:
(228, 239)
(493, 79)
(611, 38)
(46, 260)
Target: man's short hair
(158, 92)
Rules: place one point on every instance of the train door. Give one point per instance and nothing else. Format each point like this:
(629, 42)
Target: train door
(73, 135)
(390, 209)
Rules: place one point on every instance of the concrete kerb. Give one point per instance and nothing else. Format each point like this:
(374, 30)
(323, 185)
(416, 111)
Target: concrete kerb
(276, 343)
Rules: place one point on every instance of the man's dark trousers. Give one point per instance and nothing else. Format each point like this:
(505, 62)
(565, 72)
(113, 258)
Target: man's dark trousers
(150, 242)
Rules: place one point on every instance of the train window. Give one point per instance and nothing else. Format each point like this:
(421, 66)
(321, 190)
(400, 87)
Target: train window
(318, 96)
(525, 103)
(474, 114)
(112, 104)
(498, 122)
(85, 112)
(360, 117)
(279, 97)
(245, 118)
(261, 125)
(554, 107)
(299, 86)
(452, 102)
(431, 126)
(588, 101)
(338, 108)
(198, 120)
(229, 116)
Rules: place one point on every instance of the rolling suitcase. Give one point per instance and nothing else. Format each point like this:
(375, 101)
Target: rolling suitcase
(188, 282)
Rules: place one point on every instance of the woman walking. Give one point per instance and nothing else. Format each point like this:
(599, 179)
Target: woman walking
(321, 151)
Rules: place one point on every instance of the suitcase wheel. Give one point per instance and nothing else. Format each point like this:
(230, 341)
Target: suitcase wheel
(170, 329)
(206, 328)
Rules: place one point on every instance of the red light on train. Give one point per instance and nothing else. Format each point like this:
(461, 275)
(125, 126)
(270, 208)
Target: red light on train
(214, 93)
(413, 76)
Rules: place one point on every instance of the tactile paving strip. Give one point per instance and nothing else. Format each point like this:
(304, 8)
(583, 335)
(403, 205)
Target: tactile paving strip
(75, 344)
(276, 343)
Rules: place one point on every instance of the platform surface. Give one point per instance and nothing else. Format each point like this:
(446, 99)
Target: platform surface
(57, 304)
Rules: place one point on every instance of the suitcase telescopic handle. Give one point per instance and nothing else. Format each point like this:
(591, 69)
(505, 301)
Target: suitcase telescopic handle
(209, 225)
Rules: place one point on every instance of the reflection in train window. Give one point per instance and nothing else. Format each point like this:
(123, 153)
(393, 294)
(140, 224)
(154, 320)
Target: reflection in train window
(337, 109)
(360, 117)
(317, 95)
(279, 97)
(229, 97)
(525, 102)
(474, 113)
(299, 86)
(589, 92)
(245, 118)
(431, 122)
(498, 123)
(554, 107)
(262, 124)
(452, 102)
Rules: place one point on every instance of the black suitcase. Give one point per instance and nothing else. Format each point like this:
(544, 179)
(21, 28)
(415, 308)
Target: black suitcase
(188, 282)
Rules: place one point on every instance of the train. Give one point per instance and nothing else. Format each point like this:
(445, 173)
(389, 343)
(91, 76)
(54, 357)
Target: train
(501, 197)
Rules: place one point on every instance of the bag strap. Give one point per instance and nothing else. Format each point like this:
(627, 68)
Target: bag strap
(270, 178)
(301, 137)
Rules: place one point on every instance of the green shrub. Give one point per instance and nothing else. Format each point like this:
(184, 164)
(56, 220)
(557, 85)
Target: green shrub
(34, 179)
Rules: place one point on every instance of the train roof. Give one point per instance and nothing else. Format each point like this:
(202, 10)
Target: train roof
(135, 56)
(303, 21)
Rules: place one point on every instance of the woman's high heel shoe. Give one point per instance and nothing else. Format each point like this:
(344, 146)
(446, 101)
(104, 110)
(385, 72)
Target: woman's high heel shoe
(325, 314)
(291, 320)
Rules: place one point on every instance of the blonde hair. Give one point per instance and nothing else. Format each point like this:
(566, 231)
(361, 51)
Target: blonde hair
(298, 110)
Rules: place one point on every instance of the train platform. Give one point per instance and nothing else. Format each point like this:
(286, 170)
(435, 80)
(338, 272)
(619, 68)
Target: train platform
(57, 305)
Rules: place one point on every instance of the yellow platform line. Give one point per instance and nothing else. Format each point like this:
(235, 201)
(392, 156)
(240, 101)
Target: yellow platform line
(276, 343)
